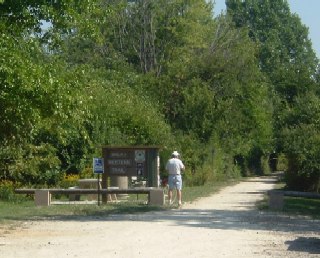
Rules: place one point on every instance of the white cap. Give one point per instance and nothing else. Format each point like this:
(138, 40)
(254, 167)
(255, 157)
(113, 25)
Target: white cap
(175, 153)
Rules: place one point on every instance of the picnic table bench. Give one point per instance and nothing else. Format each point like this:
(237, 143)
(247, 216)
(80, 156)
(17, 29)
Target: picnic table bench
(43, 196)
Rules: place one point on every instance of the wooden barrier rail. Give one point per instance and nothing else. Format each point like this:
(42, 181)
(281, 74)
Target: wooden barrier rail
(43, 196)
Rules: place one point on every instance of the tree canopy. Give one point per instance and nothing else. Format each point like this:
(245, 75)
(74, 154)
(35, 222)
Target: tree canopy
(227, 92)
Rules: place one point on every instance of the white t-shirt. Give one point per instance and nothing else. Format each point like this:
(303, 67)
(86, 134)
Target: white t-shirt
(174, 166)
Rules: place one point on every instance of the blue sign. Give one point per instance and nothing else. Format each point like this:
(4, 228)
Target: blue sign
(98, 167)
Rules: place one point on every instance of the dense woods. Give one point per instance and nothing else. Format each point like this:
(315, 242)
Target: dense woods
(236, 93)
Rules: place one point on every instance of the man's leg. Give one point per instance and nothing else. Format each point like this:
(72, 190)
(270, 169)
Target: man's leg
(170, 196)
(179, 195)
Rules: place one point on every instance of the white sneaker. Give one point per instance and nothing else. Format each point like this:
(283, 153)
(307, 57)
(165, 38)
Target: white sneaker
(180, 203)
(170, 202)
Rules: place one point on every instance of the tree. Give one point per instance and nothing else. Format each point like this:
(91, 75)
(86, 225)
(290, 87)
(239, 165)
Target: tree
(151, 34)
(301, 141)
(40, 100)
(288, 60)
(243, 105)
(286, 53)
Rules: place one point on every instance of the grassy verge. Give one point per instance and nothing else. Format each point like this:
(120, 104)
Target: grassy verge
(24, 209)
(296, 206)
(302, 206)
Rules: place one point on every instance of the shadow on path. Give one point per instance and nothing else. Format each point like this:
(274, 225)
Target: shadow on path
(227, 220)
(305, 244)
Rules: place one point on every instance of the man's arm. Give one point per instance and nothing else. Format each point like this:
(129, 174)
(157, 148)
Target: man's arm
(182, 167)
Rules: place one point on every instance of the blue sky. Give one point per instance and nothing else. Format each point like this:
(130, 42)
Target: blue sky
(307, 10)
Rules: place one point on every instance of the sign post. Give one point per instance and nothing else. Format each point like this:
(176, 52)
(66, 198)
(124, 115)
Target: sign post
(98, 168)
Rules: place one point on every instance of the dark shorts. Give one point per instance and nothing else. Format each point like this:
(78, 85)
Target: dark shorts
(175, 182)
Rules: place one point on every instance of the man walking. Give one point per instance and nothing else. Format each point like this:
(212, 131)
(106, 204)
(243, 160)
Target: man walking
(174, 167)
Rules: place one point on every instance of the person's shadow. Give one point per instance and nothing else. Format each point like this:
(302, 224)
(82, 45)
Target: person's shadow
(310, 245)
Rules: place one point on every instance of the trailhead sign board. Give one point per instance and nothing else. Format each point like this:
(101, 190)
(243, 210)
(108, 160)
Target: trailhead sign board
(131, 161)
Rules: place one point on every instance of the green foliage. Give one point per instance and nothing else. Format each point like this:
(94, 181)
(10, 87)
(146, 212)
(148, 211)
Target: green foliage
(123, 117)
(39, 110)
(70, 180)
(282, 162)
(198, 109)
(237, 109)
(273, 25)
(37, 165)
(301, 141)
(242, 107)
(225, 92)
(302, 206)
(288, 60)
(7, 193)
(6, 190)
(21, 91)
(154, 34)
(193, 151)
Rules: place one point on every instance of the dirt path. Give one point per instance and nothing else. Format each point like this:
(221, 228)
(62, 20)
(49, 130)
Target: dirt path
(223, 225)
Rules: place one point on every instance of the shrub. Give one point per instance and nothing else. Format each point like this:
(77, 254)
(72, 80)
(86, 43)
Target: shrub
(69, 181)
(282, 163)
(7, 190)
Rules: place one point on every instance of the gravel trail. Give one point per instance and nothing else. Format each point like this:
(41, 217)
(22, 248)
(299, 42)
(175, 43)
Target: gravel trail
(226, 224)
